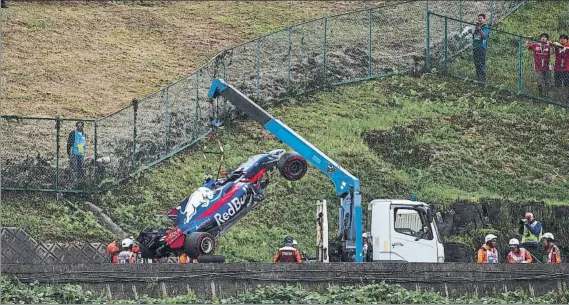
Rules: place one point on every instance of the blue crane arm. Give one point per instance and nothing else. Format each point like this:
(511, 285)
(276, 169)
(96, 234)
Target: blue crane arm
(347, 185)
(342, 179)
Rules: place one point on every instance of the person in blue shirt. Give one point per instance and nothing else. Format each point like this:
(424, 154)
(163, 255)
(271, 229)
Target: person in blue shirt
(480, 34)
(76, 145)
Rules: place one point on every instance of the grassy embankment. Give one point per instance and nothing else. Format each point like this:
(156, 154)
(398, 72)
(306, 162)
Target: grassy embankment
(438, 138)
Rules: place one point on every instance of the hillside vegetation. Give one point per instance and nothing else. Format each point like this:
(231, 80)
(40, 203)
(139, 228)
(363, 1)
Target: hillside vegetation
(380, 293)
(440, 138)
(88, 59)
(435, 137)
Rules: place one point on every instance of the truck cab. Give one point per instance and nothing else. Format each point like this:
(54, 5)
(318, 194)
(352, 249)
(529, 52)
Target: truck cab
(403, 230)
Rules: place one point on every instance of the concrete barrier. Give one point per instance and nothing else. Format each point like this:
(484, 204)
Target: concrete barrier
(224, 280)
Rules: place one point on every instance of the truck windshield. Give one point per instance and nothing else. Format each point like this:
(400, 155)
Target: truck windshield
(412, 222)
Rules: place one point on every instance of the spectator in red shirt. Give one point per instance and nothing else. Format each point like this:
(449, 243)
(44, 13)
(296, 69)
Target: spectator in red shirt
(541, 55)
(562, 65)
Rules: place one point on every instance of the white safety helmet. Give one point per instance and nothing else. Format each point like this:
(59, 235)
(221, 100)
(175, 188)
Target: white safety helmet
(514, 242)
(294, 243)
(489, 237)
(127, 243)
(364, 235)
(548, 235)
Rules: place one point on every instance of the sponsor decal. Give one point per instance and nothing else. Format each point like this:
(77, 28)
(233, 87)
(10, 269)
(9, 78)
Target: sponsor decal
(202, 196)
(234, 206)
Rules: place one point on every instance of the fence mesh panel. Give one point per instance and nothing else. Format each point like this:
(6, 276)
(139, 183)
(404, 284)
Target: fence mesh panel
(150, 129)
(398, 37)
(304, 57)
(347, 47)
(181, 107)
(273, 66)
(30, 158)
(115, 142)
(240, 68)
(307, 60)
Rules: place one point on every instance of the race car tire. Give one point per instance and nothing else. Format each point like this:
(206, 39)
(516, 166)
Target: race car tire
(292, 166)
(145, 252)
(199, 243)
(211, 259)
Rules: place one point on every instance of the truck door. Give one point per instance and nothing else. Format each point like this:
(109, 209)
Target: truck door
(412, 239)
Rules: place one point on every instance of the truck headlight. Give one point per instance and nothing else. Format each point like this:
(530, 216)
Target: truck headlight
(441, 259)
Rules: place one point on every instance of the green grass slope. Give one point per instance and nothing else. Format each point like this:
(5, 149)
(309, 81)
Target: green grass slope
(435, 137)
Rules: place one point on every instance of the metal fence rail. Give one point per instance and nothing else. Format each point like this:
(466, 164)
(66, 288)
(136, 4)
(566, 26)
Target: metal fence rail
(350, 47)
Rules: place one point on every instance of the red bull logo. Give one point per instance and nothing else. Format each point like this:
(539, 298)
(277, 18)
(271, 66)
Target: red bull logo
(234, 206)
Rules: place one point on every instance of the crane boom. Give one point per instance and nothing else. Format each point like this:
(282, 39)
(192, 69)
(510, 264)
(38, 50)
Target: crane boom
(347, 185)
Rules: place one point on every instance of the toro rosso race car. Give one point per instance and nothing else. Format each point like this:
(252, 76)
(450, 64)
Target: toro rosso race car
(217, 205)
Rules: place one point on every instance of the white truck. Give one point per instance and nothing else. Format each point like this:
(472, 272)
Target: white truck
(403, 230)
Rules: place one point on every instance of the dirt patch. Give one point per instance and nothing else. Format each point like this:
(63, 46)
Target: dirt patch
(400, 145)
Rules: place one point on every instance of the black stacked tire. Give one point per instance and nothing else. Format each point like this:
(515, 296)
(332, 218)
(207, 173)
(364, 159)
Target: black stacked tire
(204, 259)
(292, 166)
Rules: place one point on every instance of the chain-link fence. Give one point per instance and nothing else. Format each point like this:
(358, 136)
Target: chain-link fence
(329, 51)
(509, 63)
(35, 155)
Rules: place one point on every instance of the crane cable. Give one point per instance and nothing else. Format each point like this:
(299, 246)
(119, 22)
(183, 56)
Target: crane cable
(214, 134)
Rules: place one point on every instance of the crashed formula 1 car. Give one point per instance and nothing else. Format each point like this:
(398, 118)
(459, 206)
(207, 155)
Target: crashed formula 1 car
(217, 205)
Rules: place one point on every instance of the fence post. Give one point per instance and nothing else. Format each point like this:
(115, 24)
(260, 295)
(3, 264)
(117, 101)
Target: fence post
(166, 121)
(134, 115)
(197, 106)
(428, 48)
(446, 42)
(222, 98)
(460, 16)
(370, 69)
(257, 67)
(324, 48)
(520, 64)
(95, 148)
(289, 59)
(491, 13)
(57, 136)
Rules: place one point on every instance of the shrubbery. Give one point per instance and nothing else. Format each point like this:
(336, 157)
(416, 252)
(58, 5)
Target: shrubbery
(18, 293)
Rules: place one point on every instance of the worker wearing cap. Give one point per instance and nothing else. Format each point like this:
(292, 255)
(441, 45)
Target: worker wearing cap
(127, 256)
(531, 231)
(487, 254)
(287, 254)
(552, 253)
(295, 245)
(518, 255)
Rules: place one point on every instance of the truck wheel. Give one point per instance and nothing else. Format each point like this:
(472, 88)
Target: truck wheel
(292, 166)
(199, 243)
(211, 259)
